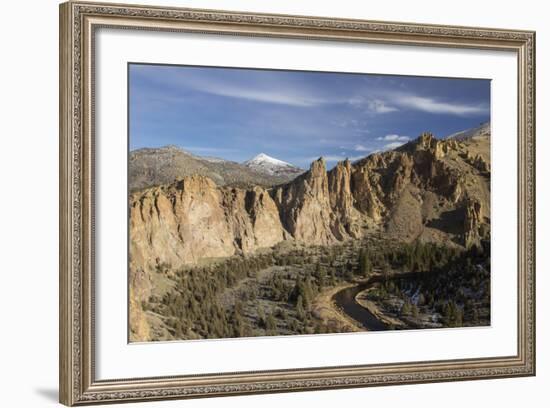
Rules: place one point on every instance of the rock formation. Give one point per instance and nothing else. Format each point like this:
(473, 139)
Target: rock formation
(472, 222)
(344, 218)
(194, 218)
(427, 189)
(304, 206)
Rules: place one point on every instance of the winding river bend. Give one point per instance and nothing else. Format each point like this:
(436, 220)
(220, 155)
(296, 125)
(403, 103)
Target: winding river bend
(345, 300)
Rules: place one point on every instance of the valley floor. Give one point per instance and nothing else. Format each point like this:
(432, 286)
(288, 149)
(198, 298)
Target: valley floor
(373, 284)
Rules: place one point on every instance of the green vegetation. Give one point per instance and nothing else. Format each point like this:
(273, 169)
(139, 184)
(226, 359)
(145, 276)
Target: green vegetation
(456, 287)
(273, 293)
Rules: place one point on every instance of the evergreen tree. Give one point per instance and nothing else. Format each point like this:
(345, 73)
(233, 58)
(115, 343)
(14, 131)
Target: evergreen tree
(475, 315)
(385, 272)
(332, 278)
(270, 324)
(365, 267)
(414, 311)
(406, 309)
(300, 308)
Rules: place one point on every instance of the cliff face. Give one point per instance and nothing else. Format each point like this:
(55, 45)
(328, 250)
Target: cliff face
(193, 219)
(425, 189)
(345, 220)
(304, 206)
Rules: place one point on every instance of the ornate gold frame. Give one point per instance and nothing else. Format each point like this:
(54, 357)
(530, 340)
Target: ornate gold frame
(78, 21)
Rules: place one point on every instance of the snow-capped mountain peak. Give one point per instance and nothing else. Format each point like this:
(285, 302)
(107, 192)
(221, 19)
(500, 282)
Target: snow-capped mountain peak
(263, 158)
(270, 165)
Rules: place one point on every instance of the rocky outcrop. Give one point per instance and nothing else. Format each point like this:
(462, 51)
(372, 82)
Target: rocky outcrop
(304, 206)
(368, 192)
(427, 189)
(481, 164)
(139, 289)
(253, 219)
(342, 202)
(194, 218)
(473, 218)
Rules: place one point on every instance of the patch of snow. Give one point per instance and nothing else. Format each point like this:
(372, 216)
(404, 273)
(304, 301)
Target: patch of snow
(264, 159)
(270, 165)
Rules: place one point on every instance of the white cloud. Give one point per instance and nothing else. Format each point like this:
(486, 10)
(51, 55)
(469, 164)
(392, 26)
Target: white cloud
(272, 91)
(371, 105)
(432, 105)
(280, 97)
(357, 101)
(362, 148)
(354, 125)
(393, 145)
(390, 101)
(380, 106)
(393, 138)
(345, 123)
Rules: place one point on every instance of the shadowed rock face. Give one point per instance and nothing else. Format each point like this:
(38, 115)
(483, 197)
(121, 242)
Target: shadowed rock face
(473, 219)
(401, 192)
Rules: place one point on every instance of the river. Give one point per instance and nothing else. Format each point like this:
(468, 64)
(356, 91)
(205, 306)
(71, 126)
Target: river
(345, 300)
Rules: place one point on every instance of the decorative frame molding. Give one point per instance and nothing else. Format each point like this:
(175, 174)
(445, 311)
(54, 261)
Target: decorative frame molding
(78, 21)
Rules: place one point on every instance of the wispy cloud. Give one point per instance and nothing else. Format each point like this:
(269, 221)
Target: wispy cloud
(393, 145)
(237, 113)
(356, 101)
(354, 125)
(345, 123)
(362, 148)
(394, 138)
(281, 97)
(371, 105)
(269, 90)
(433, 105)
(383, 101)
(379, 106)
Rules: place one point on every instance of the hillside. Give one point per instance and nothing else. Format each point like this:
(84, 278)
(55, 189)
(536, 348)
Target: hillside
(433, 190)
(479, 132)
(157, 166)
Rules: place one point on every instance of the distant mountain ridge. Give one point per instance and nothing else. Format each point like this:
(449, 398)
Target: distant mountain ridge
(272, 166)
(483, 130)
(156, 166)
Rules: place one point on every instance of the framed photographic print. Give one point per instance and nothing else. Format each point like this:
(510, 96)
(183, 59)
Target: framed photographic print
(260, 203)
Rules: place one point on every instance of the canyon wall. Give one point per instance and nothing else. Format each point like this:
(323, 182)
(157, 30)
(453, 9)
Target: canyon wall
(402, 192)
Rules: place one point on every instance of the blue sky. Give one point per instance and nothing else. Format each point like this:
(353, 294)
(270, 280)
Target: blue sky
(292, 115)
